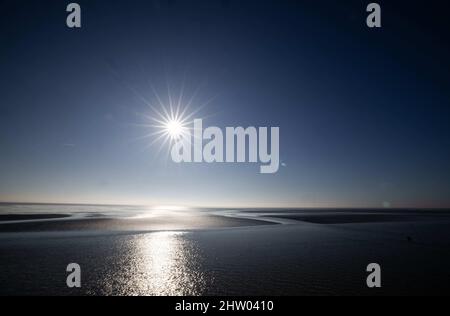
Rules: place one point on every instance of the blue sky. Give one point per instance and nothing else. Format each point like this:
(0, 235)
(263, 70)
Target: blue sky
(363, 114)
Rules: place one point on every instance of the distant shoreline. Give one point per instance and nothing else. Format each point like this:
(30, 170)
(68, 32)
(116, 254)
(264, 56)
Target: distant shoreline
(25, 217)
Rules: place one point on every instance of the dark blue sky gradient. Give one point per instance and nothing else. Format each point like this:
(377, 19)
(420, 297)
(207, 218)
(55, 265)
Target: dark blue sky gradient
(364, 114)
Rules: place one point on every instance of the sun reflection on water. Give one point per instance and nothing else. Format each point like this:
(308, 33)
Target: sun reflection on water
(160, 263)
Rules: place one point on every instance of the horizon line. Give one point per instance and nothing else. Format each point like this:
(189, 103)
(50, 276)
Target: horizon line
(236, 207)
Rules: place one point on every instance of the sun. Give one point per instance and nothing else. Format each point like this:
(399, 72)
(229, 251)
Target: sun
(168, 125)
(171, 127)
(174, 128)
(170, 120)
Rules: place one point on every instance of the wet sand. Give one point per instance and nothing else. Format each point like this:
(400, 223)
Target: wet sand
(201, 219)
(156, 223)
(303, 259)
(358, 218)
(24, 217)
(239, 253)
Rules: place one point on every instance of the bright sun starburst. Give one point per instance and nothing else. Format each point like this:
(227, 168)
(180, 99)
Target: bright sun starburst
(169, 122)
(170, 125)
(174, 128)
(170, 119)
